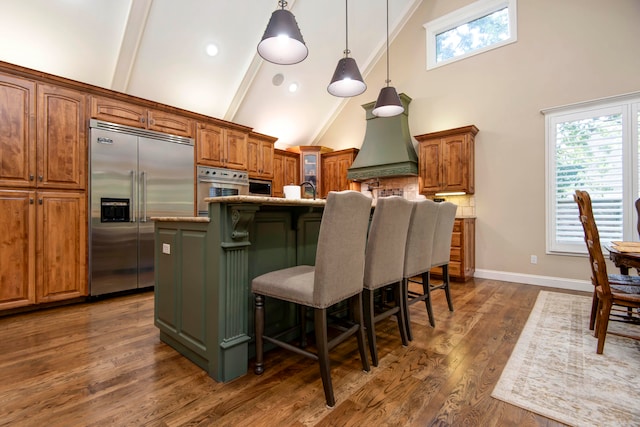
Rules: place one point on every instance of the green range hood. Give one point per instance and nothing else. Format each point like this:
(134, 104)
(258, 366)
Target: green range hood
(387, 150)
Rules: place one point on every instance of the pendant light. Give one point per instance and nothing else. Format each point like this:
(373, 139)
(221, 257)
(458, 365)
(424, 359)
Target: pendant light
(388, 103)
(347, 80)
(282, 41)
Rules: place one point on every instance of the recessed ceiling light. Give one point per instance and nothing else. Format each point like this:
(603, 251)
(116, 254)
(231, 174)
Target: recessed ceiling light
(212, 49)
(293, 87)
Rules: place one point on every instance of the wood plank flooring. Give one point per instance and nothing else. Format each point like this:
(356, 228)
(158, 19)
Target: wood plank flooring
(103, 364)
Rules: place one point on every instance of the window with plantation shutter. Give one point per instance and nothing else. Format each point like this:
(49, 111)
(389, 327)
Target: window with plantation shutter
(592, 146)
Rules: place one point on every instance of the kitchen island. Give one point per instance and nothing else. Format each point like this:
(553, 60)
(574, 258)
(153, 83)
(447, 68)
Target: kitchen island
(204, 268)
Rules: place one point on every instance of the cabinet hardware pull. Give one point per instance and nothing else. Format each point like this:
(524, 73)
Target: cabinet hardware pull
(31, 177)
(39, 201)
(40, 178)
(142, 120)
(30, 200)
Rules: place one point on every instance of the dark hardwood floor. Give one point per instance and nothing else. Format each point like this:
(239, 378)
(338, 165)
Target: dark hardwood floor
(102, 363)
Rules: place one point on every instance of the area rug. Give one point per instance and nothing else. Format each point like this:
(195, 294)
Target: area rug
(554, 370)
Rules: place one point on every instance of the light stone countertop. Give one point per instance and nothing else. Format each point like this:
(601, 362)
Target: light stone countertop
(180, 218)
(261, 200)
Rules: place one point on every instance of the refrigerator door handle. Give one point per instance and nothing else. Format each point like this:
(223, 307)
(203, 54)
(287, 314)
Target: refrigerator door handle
(132, 211)
(143, 178)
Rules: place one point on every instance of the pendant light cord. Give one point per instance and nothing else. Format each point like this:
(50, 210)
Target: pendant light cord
(346, 24)
(388, 81)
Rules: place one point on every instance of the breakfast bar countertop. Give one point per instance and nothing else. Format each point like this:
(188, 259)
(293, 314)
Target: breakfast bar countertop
(263, 200)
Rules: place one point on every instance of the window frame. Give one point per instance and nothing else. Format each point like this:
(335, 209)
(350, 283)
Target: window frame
(466, 15)
(628, 105)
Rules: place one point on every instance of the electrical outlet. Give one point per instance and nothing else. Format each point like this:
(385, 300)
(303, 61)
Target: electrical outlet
(166, 248)
(534, 259)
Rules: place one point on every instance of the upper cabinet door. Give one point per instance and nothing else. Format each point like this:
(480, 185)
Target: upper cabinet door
(209, 145)
(235, 149)
(119, 112)
(173, 124)
(17, 132)
(62, 141)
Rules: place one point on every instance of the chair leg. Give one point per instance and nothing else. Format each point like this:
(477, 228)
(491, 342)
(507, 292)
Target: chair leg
(302, 312)
(259, 330)
(401, 302)
(603, 324)
(369, 322)
(426, 289)
(358, 316)
(407, 315)
(445, 278)
(322, 342)
(594, 311)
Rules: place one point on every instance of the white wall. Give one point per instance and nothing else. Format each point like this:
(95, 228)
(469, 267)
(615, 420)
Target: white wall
(567, 51)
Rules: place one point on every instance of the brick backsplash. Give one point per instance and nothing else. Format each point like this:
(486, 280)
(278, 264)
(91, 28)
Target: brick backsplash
(407, 187)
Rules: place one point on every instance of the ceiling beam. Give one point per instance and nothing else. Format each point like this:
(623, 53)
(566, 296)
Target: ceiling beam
(134, 29)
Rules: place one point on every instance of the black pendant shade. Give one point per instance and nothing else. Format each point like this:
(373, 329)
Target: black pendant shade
(388, 103)
(347, 80)
(282, 42)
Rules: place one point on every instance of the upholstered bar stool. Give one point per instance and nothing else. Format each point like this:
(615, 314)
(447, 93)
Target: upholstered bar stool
(418, 254)
(337, 276)
(384, 265)
(442, 247)
(440, 256)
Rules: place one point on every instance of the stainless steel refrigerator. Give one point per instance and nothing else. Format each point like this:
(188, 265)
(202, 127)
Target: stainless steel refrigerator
(135, 175)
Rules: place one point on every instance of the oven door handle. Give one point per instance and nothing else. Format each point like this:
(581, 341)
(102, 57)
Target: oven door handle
(215, 181)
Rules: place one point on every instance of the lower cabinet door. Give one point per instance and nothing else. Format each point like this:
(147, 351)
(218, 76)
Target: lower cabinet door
(17, 248)
(61, 250)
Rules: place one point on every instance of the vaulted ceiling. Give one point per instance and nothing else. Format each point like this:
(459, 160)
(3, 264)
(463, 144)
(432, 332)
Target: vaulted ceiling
(156, 49)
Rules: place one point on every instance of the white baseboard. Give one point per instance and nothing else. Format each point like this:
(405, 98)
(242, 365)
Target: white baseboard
(530, 279)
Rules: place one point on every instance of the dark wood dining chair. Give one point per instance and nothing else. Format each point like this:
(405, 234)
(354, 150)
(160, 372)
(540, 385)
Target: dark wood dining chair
(616, 281)
(606, 296)
(337, 276)
(384, 267)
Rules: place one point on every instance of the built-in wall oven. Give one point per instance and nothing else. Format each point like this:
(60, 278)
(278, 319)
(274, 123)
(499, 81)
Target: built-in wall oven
(218, 182)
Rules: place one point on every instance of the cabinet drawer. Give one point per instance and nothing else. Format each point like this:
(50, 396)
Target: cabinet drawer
(457, 225)
(456, 239)
(456, 254)
(455, 269)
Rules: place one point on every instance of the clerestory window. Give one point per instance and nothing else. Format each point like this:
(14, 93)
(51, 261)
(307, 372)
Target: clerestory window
(476, 28)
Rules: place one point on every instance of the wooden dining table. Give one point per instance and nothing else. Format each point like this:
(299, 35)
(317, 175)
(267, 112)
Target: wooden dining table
(623, 260)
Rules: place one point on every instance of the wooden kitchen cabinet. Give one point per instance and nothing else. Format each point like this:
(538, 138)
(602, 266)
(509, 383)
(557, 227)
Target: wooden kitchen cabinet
(462, 263)
(44, 246)
(61, 149)
(124, 113)
(18, 134)
(286, 169)
(17, 248)
(61, 246)
(260, 156)
(221, 147)
(46, 144)
(446, 161)
(334, 170)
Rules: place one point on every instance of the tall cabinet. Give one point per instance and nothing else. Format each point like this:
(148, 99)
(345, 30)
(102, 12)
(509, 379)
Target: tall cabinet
(42, 192)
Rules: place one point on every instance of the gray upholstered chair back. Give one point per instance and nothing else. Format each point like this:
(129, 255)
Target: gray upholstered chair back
(422, 227)
(442, 237)
(384, 263)
(340, 253)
